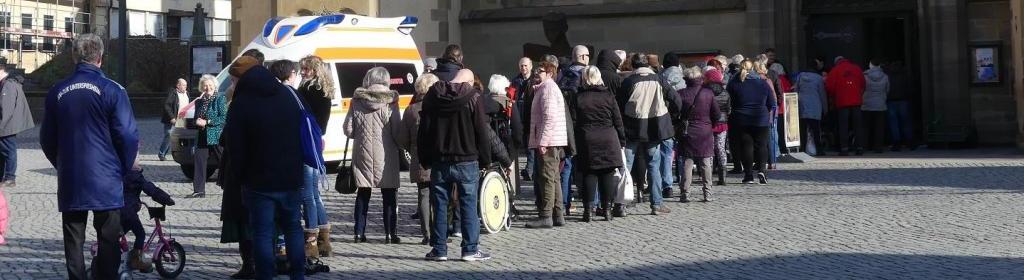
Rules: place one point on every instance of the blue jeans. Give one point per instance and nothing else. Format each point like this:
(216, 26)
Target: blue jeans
(667, 147)
(566, 181)
(165, 145)
(531, 163)
(900, 125)
(653, 166)
(466, 177)
(264, 207)
(9, 153)
(773, 141)
(313, 207)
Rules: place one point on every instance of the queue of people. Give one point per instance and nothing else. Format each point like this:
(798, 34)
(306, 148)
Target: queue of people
(579, 124)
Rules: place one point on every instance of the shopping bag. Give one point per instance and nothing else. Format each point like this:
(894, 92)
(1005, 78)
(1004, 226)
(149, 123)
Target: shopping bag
(627, 191)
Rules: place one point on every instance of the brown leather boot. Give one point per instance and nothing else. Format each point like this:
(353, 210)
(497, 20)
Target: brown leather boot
(324, 241)
(311, 245)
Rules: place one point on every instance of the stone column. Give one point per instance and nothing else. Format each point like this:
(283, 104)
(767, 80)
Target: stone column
(1017, 65)
(946, 104)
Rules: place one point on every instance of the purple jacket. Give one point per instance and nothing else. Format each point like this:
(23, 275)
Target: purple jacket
(699, 142)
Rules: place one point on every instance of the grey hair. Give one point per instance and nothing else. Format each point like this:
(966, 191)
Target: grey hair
(88, 48)
(423, 83)
(551, 58)
(592, 76)
(693, 73)
(498, 84)
(377, 76)
(205, 78)
(738, 59)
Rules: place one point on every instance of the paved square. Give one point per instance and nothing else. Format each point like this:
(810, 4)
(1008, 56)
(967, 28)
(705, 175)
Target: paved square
(916, 215)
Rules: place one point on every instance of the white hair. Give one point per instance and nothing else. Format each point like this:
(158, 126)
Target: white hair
(498, 84)
(579, 49)
(592, 76)
(206, 78)
(723, 59)
(621, 54)
(738, 58)
(778, 69)
(693, 73)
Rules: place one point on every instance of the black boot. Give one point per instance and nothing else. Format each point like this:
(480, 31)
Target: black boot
(721, 177)
(619, 210)
(607, 214)
(586, 214)
(247, 271)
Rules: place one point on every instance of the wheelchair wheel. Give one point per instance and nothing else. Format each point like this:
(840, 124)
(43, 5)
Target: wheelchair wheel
(170, 260)
(494, 202)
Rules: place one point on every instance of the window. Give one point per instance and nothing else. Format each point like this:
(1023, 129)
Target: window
(145, 23)
(26, 40)
(69, 25)
(48, 26)
(5, 21)
(350, 76)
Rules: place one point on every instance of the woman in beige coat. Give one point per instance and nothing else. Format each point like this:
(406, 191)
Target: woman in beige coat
(373, 123)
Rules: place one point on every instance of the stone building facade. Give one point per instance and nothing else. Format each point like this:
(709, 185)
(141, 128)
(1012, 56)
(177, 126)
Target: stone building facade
(933, 37)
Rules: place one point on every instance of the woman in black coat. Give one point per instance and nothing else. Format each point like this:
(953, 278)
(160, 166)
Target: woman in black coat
(599, 136)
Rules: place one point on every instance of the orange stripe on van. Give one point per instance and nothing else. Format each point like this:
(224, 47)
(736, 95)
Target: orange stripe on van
(346, 103)
(367, 53)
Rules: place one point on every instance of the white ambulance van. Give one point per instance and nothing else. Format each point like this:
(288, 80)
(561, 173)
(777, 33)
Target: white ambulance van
(349, 44)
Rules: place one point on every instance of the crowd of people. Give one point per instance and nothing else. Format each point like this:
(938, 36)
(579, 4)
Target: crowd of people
(579, 121)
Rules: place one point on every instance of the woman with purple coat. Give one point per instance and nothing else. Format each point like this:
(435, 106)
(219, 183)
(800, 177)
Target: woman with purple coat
(696, 140)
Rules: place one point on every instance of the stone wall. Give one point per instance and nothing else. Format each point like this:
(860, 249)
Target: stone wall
(498, 36)
(994, 111)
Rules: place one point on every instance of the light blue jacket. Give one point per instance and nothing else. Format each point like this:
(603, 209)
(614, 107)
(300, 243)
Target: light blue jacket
(810, 88)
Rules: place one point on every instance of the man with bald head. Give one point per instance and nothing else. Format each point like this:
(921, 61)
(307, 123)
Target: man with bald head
(177, 99)
(453, 144)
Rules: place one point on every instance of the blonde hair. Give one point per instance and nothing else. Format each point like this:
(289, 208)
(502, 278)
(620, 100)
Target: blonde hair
(423, 83)
(320, 79)
(592, 76)
(208, 78)
(745, 68)
(761, 67)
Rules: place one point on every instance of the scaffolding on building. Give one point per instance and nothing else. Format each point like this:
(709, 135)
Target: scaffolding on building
(37, 30)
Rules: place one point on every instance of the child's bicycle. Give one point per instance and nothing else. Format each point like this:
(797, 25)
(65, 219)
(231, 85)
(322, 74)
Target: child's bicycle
(166, 254)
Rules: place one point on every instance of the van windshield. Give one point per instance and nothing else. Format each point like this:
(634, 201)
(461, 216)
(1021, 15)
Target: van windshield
(350, 76)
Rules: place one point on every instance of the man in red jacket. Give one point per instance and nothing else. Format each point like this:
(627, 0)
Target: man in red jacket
(845, 85)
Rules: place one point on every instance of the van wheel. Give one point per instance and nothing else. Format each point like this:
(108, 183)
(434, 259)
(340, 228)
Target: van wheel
(189, 171)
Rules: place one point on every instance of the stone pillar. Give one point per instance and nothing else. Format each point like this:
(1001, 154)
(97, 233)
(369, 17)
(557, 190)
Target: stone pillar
(760, 26)
(946, 103)
(1017, 65)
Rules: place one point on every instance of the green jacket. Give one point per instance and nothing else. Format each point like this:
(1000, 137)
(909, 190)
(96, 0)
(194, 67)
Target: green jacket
(216, 113)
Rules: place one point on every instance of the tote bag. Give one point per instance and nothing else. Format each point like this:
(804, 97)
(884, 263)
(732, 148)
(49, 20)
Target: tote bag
(627, 191)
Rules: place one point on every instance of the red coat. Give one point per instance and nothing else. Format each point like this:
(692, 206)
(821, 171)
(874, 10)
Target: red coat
(845, 84)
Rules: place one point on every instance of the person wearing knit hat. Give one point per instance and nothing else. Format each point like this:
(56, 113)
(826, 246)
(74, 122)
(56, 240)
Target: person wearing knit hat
(242, 65)
(715, 80)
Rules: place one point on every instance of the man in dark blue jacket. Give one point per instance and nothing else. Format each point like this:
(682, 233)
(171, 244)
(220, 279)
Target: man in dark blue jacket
(89, 136)
(263, 134)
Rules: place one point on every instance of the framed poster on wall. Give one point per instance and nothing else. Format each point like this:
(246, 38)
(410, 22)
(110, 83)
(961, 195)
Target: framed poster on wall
(792, 106)
(985, 63)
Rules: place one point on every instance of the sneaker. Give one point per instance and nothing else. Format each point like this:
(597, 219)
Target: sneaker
(475, 257)
(457, 234)
(660, 210)
(435, 256)
(196, 195)
(666, 193)
(9, 184)
(162, 157)
(541, 222)
(762, 179)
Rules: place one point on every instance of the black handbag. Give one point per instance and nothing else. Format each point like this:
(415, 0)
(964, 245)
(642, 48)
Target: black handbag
(345, 184)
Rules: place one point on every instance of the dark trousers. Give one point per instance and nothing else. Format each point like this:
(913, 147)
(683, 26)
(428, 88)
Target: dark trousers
(810, 137)
(734, 146)
(753, 149)
(900, 124)
(602, 181)
(423, 204)
(269, 211)
(851, 116)
(9, 155)
(780, 129)
(108, 231)
(130, 223)
(875, 128)
(199, 175)
(390, 197)
(550, 179)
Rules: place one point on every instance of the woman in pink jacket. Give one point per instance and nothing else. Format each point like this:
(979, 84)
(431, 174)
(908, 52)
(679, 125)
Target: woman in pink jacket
(549, 137)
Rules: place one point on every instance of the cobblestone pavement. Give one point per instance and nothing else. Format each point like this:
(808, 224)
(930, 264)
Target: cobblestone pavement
(914, 215)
